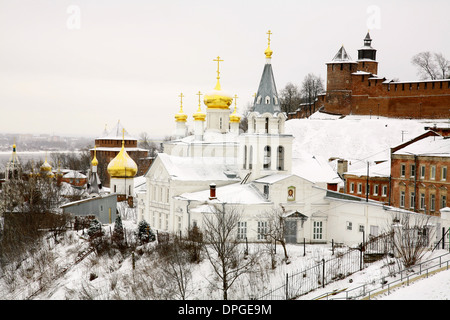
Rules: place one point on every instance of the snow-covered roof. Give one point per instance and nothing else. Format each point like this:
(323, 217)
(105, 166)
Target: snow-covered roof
(117, 149)
(209, 137)
(273, 178)
(116, 133)
(74, 174)
(199, 168)
(314, 168)
(382, 169)
(430, 146)
(235, 193)
(367, 138)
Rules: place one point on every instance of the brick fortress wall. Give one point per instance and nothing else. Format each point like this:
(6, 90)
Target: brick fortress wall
(354, 87)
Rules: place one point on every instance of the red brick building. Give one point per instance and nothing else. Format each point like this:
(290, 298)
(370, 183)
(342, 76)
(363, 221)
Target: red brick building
(108, 146)
(416, 177)
(419, 177)
(376, 187)
(354, 87)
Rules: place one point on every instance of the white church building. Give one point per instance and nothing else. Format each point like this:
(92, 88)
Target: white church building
(255, 173)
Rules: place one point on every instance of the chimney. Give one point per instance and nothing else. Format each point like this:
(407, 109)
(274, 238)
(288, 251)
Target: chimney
(212, 191)
(342, 166)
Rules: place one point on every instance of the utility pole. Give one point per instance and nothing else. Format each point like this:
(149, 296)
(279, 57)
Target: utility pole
(367, 183)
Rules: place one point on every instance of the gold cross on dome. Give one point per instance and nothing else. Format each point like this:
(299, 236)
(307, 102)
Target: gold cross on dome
(218, 65)
(269, 33)
(181, 99)
(199, 94)
(235, 99)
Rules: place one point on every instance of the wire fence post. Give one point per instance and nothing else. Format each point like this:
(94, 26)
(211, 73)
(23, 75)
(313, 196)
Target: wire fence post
(323, 273)
(287, 284)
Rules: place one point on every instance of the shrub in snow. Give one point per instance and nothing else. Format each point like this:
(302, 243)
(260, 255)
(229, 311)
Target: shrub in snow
(144, 232)
(95, 229)
(118, 233)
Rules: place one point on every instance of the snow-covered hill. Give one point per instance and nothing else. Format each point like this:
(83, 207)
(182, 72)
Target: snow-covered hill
(354, 138)
(54, 273)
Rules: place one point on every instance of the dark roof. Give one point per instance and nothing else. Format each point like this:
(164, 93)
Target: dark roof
(267, 88)
(342, 55)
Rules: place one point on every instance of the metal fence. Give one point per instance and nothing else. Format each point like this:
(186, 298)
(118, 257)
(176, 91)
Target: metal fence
(324, 271)
(317, 276)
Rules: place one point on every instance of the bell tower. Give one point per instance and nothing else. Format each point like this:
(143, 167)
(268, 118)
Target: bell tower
(367, 57)
(265, 149)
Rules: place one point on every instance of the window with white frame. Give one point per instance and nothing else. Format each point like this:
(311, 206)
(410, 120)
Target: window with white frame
(443, 201)
(432, 202)
(432, 172)
(422, 171)
(402, 170)
(317, 230)
(402, 199)
(262, 230)
(422, 201)
(412, 170)
(444, 173)
(242, 230)
(359, 188)
(375, 190)
(349, 225)
(384, 191)
(412, 199)
(352, 187)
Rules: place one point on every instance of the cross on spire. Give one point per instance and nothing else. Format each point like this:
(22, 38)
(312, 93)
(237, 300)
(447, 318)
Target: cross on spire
(269, 33)
(181, 100)
(199, 94)
(218, 66)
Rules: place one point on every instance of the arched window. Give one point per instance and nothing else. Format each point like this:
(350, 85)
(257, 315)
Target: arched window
(267, 160)
(267, 125)
(267, 100)
(250, 157)
(280, 160)
(258, 101)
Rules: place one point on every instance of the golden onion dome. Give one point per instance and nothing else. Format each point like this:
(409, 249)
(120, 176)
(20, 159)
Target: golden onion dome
(46, 166)
(122, 166)
(94, 161)
(199, 115)
(268, 51)
(235, 117)
(181, 116)
(217, 99)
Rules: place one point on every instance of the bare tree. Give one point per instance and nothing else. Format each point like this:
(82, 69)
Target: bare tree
(176, 268)
(312, 86)
(411, 237)
(276, 229)
(223, 250)
(146, 142)
(290, 98)
(425, 64)
(443, 65)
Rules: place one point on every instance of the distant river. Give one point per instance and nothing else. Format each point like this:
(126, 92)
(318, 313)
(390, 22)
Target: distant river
(25, 156)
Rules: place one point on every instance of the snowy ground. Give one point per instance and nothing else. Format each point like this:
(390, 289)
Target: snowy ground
(355, 138)
(111, 277)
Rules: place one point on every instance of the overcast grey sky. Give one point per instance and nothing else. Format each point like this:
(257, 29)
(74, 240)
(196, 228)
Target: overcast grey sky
(68, 67)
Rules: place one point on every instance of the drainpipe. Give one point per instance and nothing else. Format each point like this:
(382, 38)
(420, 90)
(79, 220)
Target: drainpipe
(189, 215)
(415, 182)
